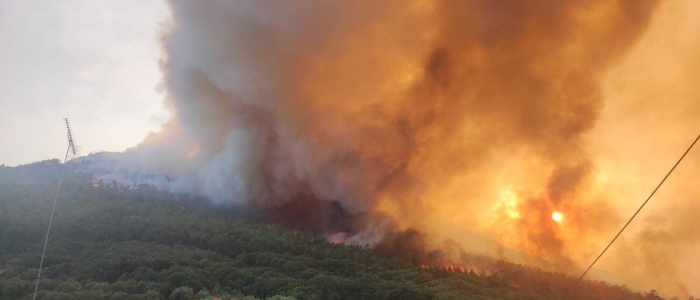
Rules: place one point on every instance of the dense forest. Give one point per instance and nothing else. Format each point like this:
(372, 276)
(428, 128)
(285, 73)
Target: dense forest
(114, 242)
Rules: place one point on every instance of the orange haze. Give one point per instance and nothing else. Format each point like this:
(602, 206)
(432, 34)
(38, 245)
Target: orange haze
(469, 121)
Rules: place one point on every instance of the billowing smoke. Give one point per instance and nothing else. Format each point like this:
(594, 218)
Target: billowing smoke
(402, 123)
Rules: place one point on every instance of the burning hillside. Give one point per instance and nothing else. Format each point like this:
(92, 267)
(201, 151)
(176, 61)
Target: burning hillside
(426, 127)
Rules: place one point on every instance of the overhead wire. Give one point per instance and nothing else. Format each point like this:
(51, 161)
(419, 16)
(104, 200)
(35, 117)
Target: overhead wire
(71, 146)
(632, 218)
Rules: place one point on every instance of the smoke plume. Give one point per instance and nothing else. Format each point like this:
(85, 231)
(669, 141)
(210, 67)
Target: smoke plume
(406, 124)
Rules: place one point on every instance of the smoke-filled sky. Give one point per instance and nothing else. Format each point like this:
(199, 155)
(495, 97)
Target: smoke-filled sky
(444, 125)
(95, 62)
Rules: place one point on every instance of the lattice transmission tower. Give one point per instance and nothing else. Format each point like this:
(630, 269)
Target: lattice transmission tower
(72, 151)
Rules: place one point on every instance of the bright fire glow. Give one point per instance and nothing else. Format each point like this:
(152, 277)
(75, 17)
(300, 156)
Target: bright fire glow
(450, 268)
(557, 216)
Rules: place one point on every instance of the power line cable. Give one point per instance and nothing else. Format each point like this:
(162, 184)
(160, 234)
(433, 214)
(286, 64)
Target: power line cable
(632, 218)
(71, 146)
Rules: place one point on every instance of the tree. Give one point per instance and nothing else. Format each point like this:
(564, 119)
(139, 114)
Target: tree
(13, 289)
(203, 294)
(280, 297)
(182, 293)
(654, 295)
(152, 295)
(119, 296)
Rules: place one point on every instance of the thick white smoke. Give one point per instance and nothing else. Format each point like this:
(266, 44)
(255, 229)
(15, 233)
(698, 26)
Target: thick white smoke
(470, 120)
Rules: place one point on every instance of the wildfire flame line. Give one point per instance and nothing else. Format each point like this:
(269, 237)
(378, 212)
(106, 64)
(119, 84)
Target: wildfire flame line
(449, 267)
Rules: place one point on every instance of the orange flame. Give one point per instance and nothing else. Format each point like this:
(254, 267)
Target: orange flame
(448, 267)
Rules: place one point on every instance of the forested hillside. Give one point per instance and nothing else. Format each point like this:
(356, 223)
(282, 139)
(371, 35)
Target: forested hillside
(115, 242)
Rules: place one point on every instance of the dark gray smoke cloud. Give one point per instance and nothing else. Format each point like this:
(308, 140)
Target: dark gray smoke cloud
(362, 119)
(355, 105)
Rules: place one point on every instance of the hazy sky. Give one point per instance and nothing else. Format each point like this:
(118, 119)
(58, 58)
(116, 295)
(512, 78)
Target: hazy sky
(95, 62)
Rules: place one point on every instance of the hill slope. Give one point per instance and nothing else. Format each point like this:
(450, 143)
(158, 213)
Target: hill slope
(113, 242)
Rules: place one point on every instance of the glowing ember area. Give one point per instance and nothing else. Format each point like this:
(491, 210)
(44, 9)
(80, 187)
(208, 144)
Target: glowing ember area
(450, 268)
(557, 217)
(95, 185)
